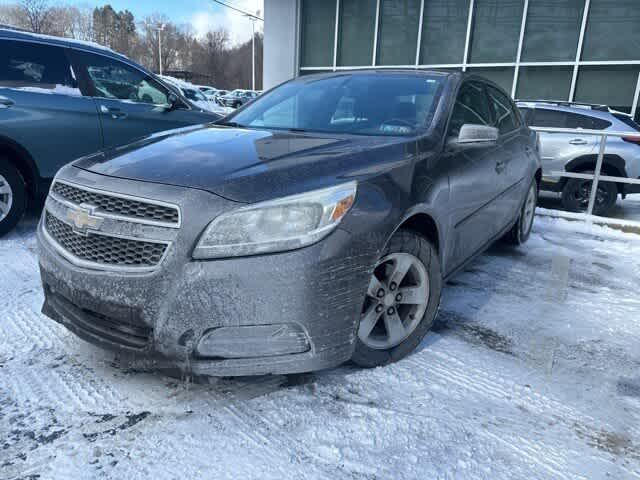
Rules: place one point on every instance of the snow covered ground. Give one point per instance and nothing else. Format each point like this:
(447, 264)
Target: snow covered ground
(532, 372)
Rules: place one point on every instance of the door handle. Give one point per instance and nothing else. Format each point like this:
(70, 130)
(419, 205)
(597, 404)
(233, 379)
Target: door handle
(5, 102)
(500, 166)
(115, 113)
(578, 141)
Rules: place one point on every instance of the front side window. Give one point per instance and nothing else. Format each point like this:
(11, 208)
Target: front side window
(114, 79)
(32, 65)
(471, 107)
(506, 119)
(364, 104)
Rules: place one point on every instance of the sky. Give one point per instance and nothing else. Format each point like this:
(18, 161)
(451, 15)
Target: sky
(202, 15)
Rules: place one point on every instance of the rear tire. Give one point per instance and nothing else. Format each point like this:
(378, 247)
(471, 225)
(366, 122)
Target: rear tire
(521, 230)
(13, 196)
(576, 192)
(379, 341)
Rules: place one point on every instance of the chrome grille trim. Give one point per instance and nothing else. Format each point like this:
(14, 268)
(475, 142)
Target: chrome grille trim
(81, 262)
(94, 197)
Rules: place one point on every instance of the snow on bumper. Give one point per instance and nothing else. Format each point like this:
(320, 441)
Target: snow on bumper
(281, 313)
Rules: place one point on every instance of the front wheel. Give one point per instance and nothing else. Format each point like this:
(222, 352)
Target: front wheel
(13, 198)
(401, 301)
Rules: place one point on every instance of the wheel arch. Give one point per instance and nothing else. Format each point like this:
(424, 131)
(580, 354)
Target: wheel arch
(612, 165)
(423, 223)
(20, 158)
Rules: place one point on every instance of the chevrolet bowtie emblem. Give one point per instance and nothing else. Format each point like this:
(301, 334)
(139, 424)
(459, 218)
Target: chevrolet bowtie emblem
(83, 219)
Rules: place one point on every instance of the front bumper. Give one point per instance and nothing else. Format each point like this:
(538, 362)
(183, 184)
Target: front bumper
(309, 298)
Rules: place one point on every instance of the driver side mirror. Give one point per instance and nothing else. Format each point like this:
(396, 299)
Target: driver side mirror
(174, 102)
(471, 133)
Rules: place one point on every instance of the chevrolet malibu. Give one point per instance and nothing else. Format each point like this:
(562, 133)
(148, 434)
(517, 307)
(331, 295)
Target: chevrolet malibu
(314, 226)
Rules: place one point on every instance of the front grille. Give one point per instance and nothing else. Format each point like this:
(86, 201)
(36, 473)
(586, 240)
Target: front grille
(118, 205)
(104, 249)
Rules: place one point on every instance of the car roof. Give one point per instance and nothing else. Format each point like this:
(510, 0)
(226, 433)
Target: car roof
(9, 33)
(592, 110)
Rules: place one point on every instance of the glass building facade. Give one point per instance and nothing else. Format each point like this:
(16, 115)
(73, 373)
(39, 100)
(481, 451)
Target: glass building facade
(575, 50)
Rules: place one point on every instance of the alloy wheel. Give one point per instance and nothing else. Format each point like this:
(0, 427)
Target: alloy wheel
(6, 198)
(583, 192)
(397, 297)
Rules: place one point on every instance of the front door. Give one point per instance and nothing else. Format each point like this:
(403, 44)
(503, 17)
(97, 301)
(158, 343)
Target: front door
(473, 178)
(130, 103)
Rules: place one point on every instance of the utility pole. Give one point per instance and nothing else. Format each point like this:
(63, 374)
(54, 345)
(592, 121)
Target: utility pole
(253, 18)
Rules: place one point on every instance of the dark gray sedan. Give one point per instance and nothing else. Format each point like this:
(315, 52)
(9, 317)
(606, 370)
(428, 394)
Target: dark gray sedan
(314, 226)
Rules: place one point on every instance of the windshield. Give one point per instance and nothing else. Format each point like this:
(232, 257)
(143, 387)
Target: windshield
(193, 95)
(365, 104)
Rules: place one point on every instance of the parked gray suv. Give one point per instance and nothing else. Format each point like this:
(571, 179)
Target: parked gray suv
(61, 99)
(576, 152)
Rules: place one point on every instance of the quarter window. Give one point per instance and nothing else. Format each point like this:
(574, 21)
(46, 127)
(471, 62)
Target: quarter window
(25, 64)
(471, 107)
(114, 79)
(506, 119)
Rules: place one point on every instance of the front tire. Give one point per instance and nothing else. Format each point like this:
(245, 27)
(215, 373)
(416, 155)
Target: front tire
(401, 302)
(13, 197)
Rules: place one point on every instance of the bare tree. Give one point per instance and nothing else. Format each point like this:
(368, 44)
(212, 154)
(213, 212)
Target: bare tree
(37, 14)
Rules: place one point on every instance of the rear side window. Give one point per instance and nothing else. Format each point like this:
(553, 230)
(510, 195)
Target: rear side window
(471, 106)
(543, 117)
(116, 80)
(33, 65)
(506, 118)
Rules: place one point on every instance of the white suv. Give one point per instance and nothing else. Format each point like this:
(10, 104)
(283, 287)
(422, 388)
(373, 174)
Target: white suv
(576, 152)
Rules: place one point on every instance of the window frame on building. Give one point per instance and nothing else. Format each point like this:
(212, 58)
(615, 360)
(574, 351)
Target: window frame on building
(575, 64)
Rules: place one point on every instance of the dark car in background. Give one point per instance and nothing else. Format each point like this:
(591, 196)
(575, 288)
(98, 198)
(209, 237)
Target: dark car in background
(316, 225)
(61, 99)
(237, 98)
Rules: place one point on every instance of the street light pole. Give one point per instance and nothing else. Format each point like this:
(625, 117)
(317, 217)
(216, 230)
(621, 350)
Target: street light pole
(159, 29)
(253, 54)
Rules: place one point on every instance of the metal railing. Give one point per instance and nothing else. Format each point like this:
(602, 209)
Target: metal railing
(596, 176)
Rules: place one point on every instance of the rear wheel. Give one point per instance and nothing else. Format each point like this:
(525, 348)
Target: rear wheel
(521, 230)
(401, 302)
(576, 193)
(13, 198)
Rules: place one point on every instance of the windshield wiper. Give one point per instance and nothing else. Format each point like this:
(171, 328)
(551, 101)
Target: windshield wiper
(230, 124)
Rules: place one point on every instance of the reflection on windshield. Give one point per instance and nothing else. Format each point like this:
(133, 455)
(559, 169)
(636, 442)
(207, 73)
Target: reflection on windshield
(366, 104)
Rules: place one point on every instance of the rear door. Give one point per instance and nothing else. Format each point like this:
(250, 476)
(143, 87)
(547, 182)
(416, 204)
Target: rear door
(41, 106)
(130, 103)
(557, 149)
(473, 178)
(512, 156)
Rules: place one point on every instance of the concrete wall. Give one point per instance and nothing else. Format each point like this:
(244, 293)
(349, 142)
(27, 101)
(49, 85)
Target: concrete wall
(280, 41)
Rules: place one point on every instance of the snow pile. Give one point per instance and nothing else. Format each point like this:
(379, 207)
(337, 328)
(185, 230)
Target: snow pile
(533, 371)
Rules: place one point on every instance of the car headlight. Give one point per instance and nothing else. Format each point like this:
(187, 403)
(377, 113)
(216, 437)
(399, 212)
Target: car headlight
(276, 225)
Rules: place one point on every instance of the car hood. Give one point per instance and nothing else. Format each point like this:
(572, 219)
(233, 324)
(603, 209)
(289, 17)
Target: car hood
(248, 165)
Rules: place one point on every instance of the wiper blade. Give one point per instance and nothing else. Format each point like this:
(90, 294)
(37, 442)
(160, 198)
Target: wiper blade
(230, 124)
